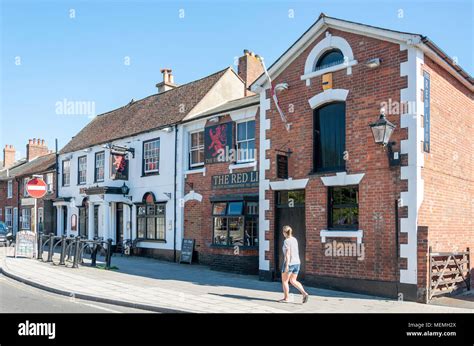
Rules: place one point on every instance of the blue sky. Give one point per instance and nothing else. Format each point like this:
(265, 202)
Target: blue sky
(47, 56)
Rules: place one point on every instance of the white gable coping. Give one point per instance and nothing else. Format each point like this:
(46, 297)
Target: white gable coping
(289, 184)
(328, 95)
(343, 179)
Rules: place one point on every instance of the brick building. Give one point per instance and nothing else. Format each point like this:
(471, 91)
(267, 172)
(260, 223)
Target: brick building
(16, 206)
(330, 180)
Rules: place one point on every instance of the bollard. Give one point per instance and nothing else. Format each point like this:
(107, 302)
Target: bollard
(51, 247)
(77, 243)
(40, 246)
(63, 250)
(109, 254)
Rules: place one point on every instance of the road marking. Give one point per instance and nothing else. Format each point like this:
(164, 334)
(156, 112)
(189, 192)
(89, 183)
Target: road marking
(99, 307)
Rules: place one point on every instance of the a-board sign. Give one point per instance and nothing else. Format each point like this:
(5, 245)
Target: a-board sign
(187, 249)
(26, 244)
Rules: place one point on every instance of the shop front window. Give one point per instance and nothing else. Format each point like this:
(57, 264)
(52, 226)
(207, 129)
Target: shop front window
(235, 223)
(151, 219)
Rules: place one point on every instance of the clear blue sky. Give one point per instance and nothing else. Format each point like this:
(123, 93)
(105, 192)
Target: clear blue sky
(82, 58)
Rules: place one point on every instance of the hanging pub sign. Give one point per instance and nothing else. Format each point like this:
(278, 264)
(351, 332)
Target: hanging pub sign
(282, 166)
(426, 113)
(218, 143)
(235, 180)
(119, 166)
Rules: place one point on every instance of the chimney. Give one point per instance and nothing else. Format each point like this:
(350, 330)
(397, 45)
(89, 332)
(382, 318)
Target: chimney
(35, 148)
(8, 156)
(168, 81)
(249, 69)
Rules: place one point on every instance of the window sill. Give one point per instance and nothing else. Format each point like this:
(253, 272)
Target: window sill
(239, 165)
(150, 174)
(195, 171)
(334, 68)
(139, 240)
(325, 233)
(217, 246)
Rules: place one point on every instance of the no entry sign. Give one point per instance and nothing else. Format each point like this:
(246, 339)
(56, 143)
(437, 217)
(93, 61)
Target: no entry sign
(36, 188)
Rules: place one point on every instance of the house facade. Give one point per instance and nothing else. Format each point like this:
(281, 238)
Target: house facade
(17, 208)
(339, 189)
(118, 176)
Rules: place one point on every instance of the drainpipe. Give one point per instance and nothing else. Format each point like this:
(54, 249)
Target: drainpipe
(18, 205)
(56, 182)
(175, 188)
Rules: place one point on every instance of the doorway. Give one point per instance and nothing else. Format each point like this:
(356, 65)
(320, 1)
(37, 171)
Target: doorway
(119, 225)
(290, 210)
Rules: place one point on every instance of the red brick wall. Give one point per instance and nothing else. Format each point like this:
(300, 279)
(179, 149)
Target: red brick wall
(198, 221)
(381, 185)
(447, 209)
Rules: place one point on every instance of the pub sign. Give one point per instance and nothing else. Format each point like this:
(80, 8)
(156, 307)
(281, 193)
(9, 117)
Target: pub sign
(235, 180)
(119, 167)
(218, 142)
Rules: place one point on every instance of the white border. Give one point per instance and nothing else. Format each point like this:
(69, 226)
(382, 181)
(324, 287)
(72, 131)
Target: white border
(328, 95)
(343, 179)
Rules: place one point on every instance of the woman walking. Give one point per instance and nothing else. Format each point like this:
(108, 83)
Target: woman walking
(291, 265)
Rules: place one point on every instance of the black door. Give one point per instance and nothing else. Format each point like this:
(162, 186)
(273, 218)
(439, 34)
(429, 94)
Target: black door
(119, 224)
(64, 220)
(96, 221)
(290, 210)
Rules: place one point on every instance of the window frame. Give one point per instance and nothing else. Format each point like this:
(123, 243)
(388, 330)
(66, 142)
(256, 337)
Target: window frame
(96, 179)
(25, 191)
(28, 218)
(49, 180)
(331, 205)
(247, 140)
(318, 66)
(63, 178)
(157, 170)
(247, 218)
(317, 146)
(10, 188)
(79, 170)
(11, 216)
(198, 148)
(151, 217)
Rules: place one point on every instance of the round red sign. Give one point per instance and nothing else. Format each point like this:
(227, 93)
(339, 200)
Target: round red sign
(36, 188)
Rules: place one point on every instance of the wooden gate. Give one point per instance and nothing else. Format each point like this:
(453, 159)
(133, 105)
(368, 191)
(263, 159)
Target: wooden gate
(449, 272)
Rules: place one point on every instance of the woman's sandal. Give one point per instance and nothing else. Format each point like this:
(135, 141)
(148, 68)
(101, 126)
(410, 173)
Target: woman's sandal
(283, 301)
(305, 298)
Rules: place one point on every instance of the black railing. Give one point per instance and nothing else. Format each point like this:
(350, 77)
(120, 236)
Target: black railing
(71, 249)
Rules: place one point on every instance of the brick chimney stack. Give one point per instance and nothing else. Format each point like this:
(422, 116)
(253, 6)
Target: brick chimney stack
(36, 148)
(168, 81)
(249, 69)
(8, 156)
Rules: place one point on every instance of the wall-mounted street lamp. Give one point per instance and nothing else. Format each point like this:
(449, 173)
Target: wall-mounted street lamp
(125, 189)
(382, 130)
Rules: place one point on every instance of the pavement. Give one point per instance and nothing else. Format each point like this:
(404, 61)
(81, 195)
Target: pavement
(148, 284)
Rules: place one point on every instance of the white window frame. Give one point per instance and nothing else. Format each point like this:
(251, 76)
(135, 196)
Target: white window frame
(192, 149)
(49, 182)
(9, 220)
(245, 140)
(26, 219)
(80, 170)
(10, 189)
(98, 179)
(151, 159)
(25, 191)
(63, 180)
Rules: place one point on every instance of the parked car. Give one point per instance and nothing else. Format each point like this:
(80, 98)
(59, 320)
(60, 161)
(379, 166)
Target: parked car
(4, 231)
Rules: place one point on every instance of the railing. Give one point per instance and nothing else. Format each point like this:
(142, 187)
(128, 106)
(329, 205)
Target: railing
(73, 249)
(449, 272)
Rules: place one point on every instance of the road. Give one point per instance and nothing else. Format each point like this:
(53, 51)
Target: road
(16, 297)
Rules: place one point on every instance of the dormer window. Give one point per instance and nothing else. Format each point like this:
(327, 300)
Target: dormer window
(330, 58)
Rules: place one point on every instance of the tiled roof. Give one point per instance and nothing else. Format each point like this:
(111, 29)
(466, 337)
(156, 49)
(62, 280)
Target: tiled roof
(150, 113)
(37, 165)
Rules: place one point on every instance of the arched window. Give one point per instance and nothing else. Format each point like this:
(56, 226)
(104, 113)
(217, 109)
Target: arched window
(149, 198)
(330, 58)
(329, 137)
(151, 218)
